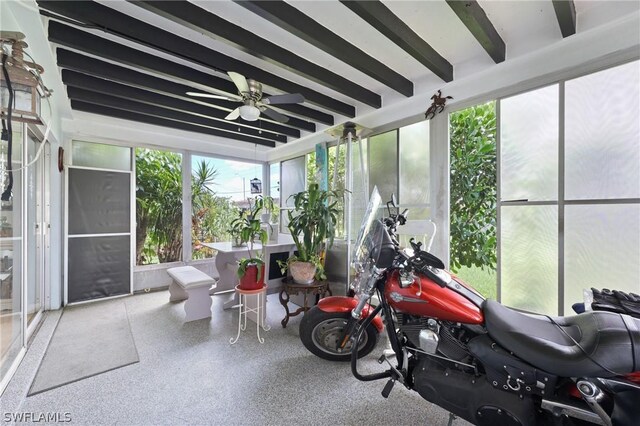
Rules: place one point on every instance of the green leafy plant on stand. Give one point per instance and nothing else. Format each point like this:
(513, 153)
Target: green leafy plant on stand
(312, 224)
(247, 228)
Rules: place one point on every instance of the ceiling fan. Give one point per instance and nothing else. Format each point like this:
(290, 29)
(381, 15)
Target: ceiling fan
(250, 94)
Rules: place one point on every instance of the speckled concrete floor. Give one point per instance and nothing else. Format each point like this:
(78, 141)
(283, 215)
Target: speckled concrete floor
(189, 374)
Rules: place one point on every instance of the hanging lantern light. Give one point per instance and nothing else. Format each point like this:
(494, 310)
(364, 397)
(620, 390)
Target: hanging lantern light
(25, 84)
(255, 184)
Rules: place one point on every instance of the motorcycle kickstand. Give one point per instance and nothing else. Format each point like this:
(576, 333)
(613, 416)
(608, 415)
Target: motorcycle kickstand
(452, 417)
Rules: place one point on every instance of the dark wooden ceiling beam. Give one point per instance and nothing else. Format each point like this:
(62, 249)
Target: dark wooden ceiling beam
(114, 22)
(566, 14)
(382, 19)
(78, 105)
(476, 20)
(161, 114)
(212, 118)
(194, 17)
(81, 40)
(297, 23)
(85, 65)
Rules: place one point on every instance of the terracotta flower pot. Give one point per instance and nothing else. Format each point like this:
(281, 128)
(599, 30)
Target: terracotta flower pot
(249, 281)
(302, 272)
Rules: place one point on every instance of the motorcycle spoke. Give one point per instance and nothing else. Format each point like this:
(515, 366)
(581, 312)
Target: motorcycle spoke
(326, 335)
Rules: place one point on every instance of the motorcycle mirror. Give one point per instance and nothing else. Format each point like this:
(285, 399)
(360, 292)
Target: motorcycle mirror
(394, 202)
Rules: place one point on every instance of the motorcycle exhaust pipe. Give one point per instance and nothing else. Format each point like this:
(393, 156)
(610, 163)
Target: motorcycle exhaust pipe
(593, 395)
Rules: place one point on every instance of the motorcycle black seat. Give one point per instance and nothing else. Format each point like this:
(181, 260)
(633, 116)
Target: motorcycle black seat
(610, 342)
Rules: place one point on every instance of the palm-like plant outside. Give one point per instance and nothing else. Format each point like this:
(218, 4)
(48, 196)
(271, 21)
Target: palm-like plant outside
(159, 203)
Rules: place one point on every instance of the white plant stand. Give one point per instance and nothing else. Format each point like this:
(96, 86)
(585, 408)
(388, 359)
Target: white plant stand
(244, 309)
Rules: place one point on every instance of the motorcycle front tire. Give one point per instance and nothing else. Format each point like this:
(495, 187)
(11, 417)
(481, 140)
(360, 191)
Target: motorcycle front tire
(320, 332)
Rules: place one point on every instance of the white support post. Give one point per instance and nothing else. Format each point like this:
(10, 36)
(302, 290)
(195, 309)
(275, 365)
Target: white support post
(186, 207)
(349, 206)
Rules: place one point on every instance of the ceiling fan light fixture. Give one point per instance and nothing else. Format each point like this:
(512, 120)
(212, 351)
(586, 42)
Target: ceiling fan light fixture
(249, 112)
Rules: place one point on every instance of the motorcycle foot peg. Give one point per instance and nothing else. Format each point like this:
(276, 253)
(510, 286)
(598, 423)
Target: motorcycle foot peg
(386, 354)
(387, 388)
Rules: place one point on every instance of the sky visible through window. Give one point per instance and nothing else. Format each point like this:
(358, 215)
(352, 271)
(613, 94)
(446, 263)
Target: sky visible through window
(232, 180)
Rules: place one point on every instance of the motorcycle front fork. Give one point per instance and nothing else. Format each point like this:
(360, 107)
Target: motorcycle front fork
(393, 373)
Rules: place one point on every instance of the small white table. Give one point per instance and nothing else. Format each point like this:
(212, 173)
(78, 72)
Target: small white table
(227, 264)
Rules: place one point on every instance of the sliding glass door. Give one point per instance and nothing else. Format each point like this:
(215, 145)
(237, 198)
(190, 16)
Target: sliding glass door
(35, 190)
(11, 295)
(23, 253)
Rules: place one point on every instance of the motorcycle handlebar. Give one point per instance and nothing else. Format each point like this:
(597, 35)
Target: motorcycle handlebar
(402, 217)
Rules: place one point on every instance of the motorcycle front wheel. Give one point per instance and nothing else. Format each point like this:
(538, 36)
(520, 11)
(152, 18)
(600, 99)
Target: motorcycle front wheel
(320, 332)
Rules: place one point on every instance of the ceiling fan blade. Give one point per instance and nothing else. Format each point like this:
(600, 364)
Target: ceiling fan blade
(239, 81)
(210, 96)
(233, 114)
(274, 115)
(289, 98)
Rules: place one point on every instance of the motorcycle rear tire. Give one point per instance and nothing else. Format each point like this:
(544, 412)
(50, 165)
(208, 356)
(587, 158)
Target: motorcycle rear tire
(319, 332)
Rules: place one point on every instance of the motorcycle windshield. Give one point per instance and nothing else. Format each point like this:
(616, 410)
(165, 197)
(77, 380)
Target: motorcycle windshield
(369, 236)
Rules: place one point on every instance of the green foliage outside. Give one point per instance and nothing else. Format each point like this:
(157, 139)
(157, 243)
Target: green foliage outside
(483, 280)
(339, 185)
(159, 208)
(473, 190)
(211, 215)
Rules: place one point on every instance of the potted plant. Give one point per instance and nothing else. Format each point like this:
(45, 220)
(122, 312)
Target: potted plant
(246, 229)
(312, 224)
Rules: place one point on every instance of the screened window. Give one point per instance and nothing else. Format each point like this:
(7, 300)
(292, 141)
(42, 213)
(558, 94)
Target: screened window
(219, 190)
(101, 156)
(383, 164)
(158, 206)
(602, 182)
(293, 181)
(572, 225)
(529, 138)
(335, 177)
(414, 169)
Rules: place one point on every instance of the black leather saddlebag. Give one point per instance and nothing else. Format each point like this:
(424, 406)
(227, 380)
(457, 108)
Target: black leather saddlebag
(506, 372)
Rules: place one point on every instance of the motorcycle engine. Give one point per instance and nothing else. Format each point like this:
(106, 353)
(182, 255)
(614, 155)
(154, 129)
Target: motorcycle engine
(428, 335)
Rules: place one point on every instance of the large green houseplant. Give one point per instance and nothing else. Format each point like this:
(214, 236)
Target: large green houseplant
(246, 229)
(312, 223)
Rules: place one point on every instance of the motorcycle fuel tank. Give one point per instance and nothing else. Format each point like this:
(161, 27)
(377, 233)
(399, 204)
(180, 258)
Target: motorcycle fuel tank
(426, 298)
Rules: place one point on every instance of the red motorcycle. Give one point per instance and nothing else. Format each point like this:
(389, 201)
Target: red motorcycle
(479, 360)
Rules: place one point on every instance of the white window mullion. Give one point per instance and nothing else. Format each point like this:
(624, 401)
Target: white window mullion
(187, 246)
